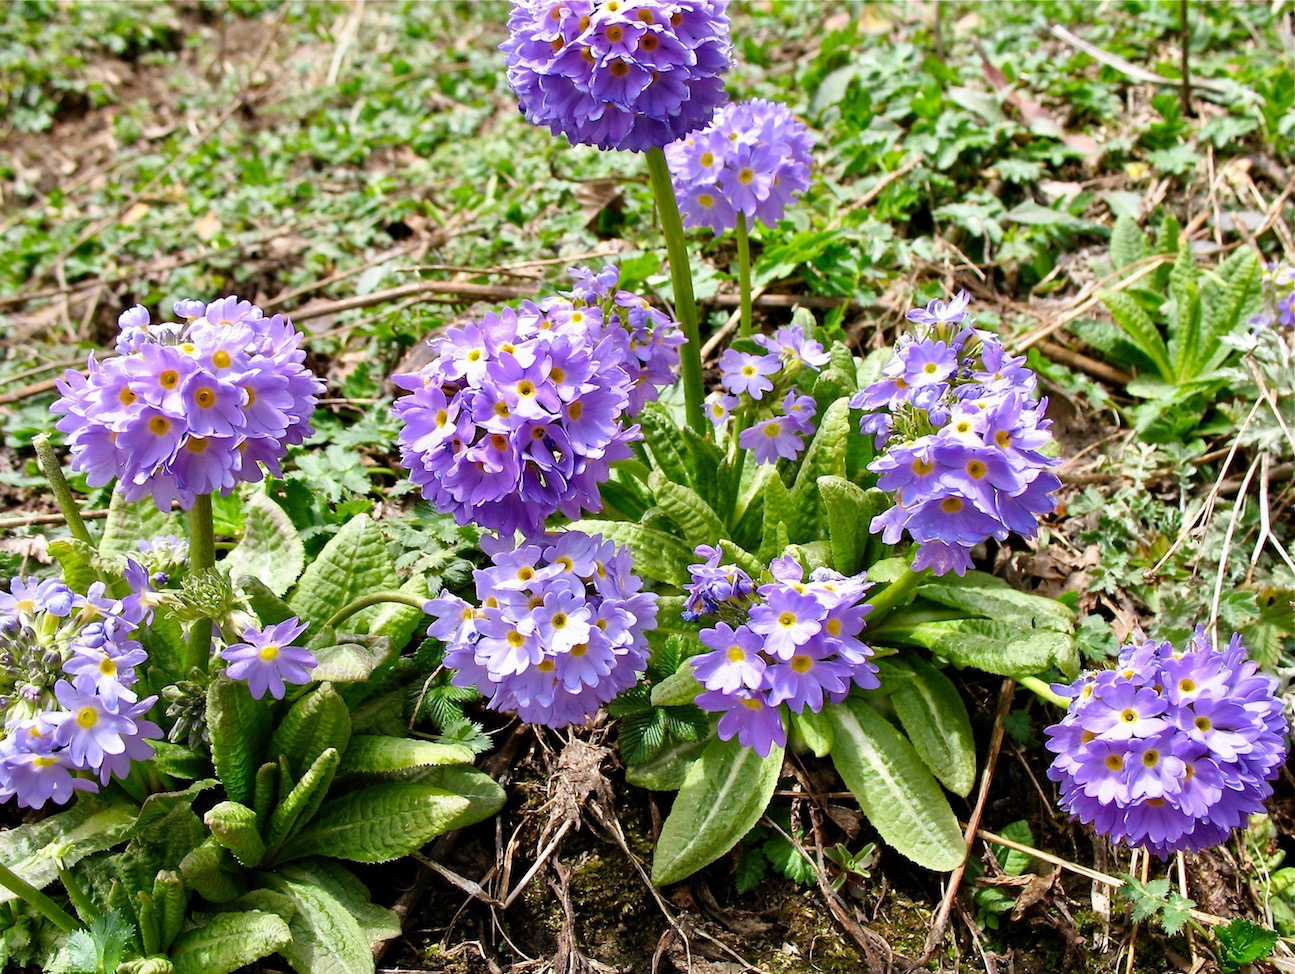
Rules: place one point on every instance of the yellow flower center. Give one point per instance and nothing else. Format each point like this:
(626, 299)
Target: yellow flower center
(269, 652)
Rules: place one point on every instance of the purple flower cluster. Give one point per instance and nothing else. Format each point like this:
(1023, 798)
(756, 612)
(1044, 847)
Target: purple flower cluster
(753, 159)
(1279, 296)
(1171, 750)
(68, 666)
(963, 437)
(522, 414)
(787, 641)
(557, 631)
(189, 409)
(618, 74)
(747, 378)
(265, 660)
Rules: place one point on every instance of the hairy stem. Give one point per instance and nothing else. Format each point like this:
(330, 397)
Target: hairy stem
(1043, 691)
(375, 598)
(894, 595)
(744, 274)
(202, 556)
(28, 893)
(62, 492)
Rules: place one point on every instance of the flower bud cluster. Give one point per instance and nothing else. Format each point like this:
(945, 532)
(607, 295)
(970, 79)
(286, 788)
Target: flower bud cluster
(787, 641)
(963, 437)
(618, 74)
(1173, 749)
(68, 668)
(557, 630)
(747, 378)
(189, 409)
(521, 415)
(753, 159)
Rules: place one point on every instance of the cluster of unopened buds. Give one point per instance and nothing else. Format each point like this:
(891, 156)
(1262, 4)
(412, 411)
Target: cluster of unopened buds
(1171, 750)
(964, 439)
(787, 641)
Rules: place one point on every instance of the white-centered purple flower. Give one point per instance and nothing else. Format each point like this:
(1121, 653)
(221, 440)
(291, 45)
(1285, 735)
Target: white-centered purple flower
(1171, 750)
(189, 409)
(556, 632)
(618, 74)
(267, 659)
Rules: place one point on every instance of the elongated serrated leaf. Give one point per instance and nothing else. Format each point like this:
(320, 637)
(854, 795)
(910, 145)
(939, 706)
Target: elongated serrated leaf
(128, 523)
(901, 798)
(704, 461)
(665, 443)
(326, 938)
(1129, 243)
(778, 510)
(270, 548)
(723, 796)
(1228, 298)
(995, 647)
(842, 360)
(78, 561)
(731, 553)
(1142, 331)
(657, 554)
(317, 721)
(377, 823)
(680, 687)
(269, 608)
(825, 456)
(212, 874)
(991, 597)
(1184, 326)
(376, 922)
(234, 827)
(398, 621)
(668, 769)
(483, 794)
(374, 753)
(355, 562)
(698, 524)
(299, 806)
(239, 728)
(229, 941)
(35, 850)
(850, 510)
(936, 722)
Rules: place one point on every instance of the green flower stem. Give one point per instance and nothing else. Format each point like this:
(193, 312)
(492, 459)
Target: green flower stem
(85, 908)
(894, 595)
(681, 277)
(375, 598)
(202, 556)
(1043, 691)
(744, 274)
(47, 908)
(62, 492)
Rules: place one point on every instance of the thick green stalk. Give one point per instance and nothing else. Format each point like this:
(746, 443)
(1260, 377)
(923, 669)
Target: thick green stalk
(1043, 691)
(744, 274)
(681, 277)
(374, 598)
(894, 595)
(62, 492)
(28, 893)
(202, 557)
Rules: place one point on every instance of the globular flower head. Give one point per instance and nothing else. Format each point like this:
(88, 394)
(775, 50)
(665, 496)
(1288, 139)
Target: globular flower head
(618, 74)
(189, 409)
(1171, 750)
(754, 159)
(791, 640)
(521, 414)
(267, 659)
(963, 438)
(557, 629)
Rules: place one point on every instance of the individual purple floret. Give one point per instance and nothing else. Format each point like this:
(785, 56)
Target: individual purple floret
(753, 159)
(189, 409)
(789, 641)
(1172, 750)
(618, 74)
(68, 705)
(266, 660)
(556, 632)
(964, 439)
(522, 414)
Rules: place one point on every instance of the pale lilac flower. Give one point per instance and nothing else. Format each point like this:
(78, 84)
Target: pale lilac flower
(266, 660)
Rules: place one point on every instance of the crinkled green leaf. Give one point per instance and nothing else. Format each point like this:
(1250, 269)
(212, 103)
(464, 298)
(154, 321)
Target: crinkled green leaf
(899, 795)
(696, 520)
(665, 443)
(355, 562)
(778, 511)
(319, 720)
(1142, 331)
(850, 509)
(299, 805)
(212, 874)
(825, 457)
(375, 753)
(130, 522)
(936, 722)
(377, 823)
(234, 827)
(704, 461)
(724, 793)
(240, 728)
(995, 647)
(353, 658)
(270, 549)
(228, 941)
(326, 935)
(657, 554)
(1129, 243)
(815, 730)
(678, 688)
(269, 608)
(376, 922)
(79, 563)
(989, 596)
(666, 770)
(484, 795)
(35, 850)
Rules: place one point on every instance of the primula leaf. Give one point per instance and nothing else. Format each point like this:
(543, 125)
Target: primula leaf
(317, 721)
(299, 806)
(377, 823)
(270, 549)
(1228, 298)
(211, 873)
(665, 443)
(1142, 331)
(128, 523)
(484, 795)
(995, 647)
(269, 608)
(79, 562)
(697, 522)
(375, 753)
(1129, 243)
(239, 727)
(326, 934)
(667, 769)
(353, 658)
(723, 796)
(850, 509)
(815, 730)
(895, 790)
(679, 688)
(657, 554)
(824, 458)
(989, 596)
(1242, 942)
(355, 562)
(704, 460)
(778, 512)
(936, 722)
(228, 941)
(234, 827)
(35, 850)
